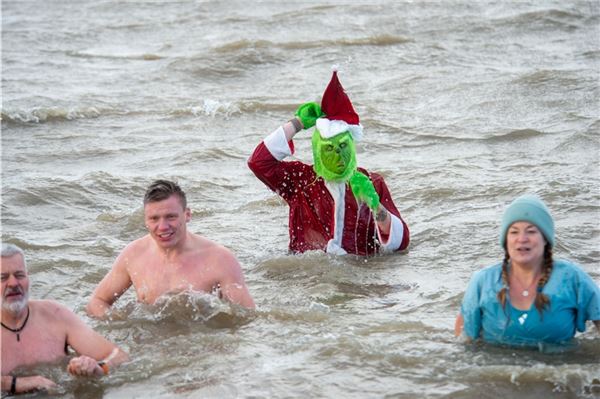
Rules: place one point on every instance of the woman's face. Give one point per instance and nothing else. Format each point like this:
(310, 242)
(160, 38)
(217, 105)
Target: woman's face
(525, 244)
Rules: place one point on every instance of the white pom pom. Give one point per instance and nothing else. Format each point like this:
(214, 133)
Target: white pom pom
(334, 68)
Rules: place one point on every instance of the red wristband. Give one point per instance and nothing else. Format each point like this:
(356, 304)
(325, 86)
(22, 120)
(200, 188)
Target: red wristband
(104, 366)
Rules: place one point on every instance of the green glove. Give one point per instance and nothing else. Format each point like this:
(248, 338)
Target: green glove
(363, 190)
(308, 114)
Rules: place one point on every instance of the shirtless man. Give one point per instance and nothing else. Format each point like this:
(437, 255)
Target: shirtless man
(40, 331)
(169, 258)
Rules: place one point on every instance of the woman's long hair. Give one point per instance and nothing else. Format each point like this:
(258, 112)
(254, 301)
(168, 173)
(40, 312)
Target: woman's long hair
(541, 300)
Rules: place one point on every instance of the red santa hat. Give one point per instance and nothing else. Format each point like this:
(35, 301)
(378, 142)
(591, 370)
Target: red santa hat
(340, 116)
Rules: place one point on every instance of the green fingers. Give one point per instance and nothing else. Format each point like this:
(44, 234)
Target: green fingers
(309, 113)
(363, 190)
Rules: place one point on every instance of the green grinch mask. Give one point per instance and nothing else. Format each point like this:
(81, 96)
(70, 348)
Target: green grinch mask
(335, 158)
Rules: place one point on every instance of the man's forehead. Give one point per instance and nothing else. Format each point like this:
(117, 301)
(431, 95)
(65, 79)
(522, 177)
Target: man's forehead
(173, 203)
(338, 138)
(12, 263)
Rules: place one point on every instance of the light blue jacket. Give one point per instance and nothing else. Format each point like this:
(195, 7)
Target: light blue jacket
(574, 299)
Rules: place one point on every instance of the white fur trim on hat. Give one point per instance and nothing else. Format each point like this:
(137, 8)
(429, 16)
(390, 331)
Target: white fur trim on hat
(329, 128)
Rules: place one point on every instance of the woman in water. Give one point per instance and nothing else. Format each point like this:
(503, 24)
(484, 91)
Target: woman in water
(529, 299)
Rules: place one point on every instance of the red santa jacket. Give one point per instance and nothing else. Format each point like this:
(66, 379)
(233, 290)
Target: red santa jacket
(325, 215)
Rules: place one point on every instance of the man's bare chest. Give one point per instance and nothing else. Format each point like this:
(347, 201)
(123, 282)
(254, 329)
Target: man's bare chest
(34, 347)
(155, 280)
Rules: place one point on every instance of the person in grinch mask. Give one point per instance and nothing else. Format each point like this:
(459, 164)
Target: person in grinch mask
(335, 206)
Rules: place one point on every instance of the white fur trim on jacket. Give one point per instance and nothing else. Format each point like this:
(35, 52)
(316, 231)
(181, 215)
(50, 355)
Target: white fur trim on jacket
(338, 193)
(395, 236)
(277, 144)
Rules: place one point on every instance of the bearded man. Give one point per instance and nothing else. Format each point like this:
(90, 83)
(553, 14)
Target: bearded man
(41, 331)
(335, 206)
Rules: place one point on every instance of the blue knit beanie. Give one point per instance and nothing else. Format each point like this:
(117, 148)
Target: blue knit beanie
(528, 208)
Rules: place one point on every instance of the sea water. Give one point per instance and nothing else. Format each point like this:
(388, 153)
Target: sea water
(465, 105)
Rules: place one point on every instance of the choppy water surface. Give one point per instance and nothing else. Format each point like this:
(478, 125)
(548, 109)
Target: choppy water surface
(465, 106)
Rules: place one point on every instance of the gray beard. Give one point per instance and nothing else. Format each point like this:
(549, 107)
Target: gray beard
(16, 307)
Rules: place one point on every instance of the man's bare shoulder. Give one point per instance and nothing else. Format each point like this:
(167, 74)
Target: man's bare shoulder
(135, 249)
(209, 248)
(51, 309)
(138, 245)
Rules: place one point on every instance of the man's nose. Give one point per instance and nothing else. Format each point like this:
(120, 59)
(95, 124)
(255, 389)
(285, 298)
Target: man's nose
(12, 280)
(162, 224)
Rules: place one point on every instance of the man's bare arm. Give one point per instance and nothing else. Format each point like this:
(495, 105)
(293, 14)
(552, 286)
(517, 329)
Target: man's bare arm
(233, 286)
(91, 346)
(112, 286)
(27, 384)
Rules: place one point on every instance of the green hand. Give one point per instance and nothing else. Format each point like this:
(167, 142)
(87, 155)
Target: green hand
(363, 190)
(309, 113)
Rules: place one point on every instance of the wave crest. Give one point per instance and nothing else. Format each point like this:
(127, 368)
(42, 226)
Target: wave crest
(42, 114)
(377, 40)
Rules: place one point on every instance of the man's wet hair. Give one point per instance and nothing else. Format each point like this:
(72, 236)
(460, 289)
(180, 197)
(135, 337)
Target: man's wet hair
(10, 250)
(160, 190)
